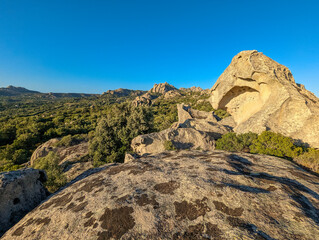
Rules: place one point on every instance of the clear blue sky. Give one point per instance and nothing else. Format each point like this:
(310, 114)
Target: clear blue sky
(95, 45)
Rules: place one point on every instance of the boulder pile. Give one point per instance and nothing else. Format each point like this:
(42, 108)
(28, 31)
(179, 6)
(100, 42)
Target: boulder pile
(194, 130)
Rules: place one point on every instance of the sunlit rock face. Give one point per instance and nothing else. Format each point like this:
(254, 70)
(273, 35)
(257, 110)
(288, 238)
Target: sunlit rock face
(261, 94)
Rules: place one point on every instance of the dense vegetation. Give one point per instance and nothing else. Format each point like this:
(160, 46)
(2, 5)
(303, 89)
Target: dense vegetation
(271, 143)
(28, 121)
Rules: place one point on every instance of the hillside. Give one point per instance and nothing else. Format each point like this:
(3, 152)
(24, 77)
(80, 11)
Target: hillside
(15, 91)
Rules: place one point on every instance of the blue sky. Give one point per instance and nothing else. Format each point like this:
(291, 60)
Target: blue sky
(95, 45)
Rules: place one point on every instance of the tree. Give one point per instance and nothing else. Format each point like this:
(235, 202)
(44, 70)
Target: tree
(236, 142)
(115, 131)
(275, 144)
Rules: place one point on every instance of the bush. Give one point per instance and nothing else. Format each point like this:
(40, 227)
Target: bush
(50, 164)
(9, 166)
(169, 146)
(275, 144)
(236, 142)
(309, 159)
(221, 113)
(20, 156)
(70, 140)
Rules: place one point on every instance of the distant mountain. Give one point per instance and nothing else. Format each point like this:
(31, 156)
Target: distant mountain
(20, 91)
(16, 91)
(122, 92)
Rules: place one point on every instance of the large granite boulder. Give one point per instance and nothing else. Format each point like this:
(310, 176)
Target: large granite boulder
(261, 94)
(183, 195)
(20, 192)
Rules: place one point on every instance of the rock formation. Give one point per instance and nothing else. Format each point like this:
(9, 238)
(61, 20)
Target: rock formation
(145, 99)
(261, 94)
(194, 130)
(70, 157)
(122, 92)
(162, 88)
(165, 89)
(20, 192)
(183, 195)
(171, 94)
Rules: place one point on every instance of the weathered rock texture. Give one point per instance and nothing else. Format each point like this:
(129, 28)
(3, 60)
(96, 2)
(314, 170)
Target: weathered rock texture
(70, 157)
(183, 195)
(261, 94)
(20, 192)
(194, 130)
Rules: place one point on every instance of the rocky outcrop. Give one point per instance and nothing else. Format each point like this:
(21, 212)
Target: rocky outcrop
(261, 94)
(171, 94)
(20, 192)
(145, 99)
(166, 90)
(194, 130)
(70, 156)
(183, 195)
(44, 149)
(122, 92)
(162, 88)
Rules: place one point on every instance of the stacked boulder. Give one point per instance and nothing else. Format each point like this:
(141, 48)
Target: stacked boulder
(194, 130)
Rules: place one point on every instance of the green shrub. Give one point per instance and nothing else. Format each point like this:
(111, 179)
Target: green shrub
(169, 146)
(9, 166)
(50, 164)
(275, 144)
(203, 106)
(20, 156)
(221, 113)
(236, 142)
(70, 140)
(309, 159)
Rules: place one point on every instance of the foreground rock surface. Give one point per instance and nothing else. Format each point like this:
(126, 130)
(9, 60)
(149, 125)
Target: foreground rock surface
(183, 195)
(261, 94)
(20, 192)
